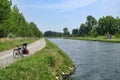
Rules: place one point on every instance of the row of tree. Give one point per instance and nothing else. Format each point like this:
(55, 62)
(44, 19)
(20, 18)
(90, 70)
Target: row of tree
(13, 23)
(104, 25)
(93, 28)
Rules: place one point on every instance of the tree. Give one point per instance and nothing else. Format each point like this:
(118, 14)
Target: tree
(106, 25)
(35, 31)
(87, 28)
(5, 9)
(48, 33)
(91, 22)
(83, 30)
(20, 27)
(13, 22)
(94, 33)
(66, 32)
(52, 34)
(117, 25)
(75, 32)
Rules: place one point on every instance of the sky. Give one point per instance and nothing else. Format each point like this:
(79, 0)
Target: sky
(55, 15)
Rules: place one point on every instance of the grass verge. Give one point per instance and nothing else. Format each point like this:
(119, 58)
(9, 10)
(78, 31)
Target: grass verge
(100, 38)
(6, 44)
(47, 64)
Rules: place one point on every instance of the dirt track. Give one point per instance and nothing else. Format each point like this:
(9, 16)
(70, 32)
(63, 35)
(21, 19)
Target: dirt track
(6, 57)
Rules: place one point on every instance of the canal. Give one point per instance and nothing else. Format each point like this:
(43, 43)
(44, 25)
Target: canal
(93, 60)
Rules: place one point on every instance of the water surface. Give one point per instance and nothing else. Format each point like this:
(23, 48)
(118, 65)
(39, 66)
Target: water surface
(93, 60)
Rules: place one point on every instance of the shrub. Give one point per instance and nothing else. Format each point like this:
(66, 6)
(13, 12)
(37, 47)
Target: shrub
(10, 35)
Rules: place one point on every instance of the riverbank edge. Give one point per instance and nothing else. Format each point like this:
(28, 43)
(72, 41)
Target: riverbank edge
(64, 74)
(114, 40)
(59, 69)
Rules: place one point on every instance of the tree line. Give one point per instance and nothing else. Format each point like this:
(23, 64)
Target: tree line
(93, 28)
(13, 23)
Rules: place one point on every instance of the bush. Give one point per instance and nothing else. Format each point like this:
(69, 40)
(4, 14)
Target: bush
(117, 35)
(10, 35)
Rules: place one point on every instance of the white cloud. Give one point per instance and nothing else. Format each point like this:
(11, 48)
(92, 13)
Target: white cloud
(67, 5)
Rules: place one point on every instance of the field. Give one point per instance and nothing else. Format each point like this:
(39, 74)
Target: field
(7, 43)
(47, 64)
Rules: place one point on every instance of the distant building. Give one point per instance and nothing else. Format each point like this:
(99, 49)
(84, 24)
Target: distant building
(109, 36)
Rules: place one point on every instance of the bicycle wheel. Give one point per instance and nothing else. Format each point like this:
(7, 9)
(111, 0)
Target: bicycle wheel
(15, 53)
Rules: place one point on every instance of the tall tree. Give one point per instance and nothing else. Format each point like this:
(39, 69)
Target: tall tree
(35, 31)
(66, 32)
(117, 24)
(75, 32)
(5, 9)
(107, 25)
(20, 27)
(91, 22)
(13, 22)
(83, 30)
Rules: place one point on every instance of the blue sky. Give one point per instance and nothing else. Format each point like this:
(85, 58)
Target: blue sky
(56, 14)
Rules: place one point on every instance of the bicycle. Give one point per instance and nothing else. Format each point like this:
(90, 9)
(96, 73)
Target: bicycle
(20, 52)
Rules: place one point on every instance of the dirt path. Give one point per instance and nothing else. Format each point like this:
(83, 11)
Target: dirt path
(6, 57)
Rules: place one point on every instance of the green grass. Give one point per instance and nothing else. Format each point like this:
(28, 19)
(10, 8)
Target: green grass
(43, 65)
(6, 44)
(99, 38)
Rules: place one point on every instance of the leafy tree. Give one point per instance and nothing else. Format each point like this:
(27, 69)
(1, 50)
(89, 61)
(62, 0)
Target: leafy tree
(48, 33)
(35, 31)
(117, 25)
(75, 32)
(106, 24)
(52, 34)
(91, 22)
(94, 32)
(66, 32)
(87, 28)
(5, 9)
(13, 22)
(84, 30)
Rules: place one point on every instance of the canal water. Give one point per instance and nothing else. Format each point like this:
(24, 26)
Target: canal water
(93, 60)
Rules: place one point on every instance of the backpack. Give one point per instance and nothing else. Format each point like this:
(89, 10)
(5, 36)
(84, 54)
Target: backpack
(26, 51)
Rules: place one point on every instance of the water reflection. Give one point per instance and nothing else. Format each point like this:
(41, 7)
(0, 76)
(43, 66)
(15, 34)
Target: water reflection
(93, 60)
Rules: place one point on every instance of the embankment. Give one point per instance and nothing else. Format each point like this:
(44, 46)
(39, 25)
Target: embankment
(51, 63)
(101, 39)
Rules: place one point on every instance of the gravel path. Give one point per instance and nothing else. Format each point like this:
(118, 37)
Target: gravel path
(6, 57)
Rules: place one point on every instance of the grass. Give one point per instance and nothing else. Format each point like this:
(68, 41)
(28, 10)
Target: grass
(43, 65)
(99, 38)
(6, 43)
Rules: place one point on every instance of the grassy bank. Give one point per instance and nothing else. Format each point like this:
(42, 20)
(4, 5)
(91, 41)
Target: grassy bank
(7, 43)
(48, 64)
(99, 38)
